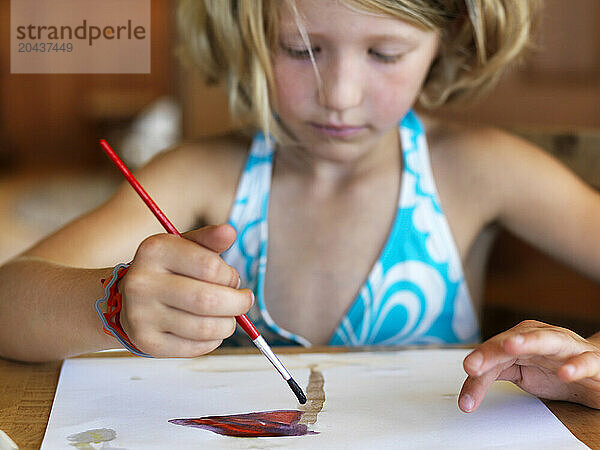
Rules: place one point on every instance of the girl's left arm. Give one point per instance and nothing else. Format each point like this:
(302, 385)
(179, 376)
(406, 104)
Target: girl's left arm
(541, 201)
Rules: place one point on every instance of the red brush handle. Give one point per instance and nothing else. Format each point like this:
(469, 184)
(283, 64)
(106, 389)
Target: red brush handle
(242, 320)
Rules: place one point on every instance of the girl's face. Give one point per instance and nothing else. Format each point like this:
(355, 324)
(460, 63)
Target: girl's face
(371, 69)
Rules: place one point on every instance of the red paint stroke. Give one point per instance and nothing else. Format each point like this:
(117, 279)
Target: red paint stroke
(257, 424)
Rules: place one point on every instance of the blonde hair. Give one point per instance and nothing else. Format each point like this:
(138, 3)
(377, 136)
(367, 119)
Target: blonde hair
(232, 40)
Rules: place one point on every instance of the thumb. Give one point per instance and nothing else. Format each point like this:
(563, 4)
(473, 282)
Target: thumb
(217, 238)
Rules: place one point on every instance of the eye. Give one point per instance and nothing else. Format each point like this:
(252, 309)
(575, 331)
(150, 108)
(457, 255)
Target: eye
(384, 57)
(300, 53)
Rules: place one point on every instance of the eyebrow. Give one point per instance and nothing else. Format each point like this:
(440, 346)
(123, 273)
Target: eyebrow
(375, 37)
(392, 37)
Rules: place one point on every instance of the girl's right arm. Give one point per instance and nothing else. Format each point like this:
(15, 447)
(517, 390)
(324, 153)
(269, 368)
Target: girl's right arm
(179, 295)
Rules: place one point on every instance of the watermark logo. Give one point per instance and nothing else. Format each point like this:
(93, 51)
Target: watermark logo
(80, 36)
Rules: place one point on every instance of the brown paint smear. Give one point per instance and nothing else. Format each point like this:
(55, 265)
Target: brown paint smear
(268, 423)
(315, 397)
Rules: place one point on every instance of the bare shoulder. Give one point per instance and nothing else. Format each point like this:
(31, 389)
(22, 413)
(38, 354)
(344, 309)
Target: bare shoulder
(484, 163)
(478, 145)
(219, 151)
(485, 176)
(192, 183)
(226, 156)
(200, 176)
(212, 157)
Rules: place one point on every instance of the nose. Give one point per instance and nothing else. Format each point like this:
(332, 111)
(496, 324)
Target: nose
(341, 84)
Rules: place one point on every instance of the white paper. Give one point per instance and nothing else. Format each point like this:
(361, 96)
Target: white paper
(405, 399)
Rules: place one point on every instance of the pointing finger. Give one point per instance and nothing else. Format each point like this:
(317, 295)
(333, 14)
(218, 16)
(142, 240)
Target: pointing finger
(473, 391)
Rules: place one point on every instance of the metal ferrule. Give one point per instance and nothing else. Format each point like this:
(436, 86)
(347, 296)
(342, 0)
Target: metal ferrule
(262, 345)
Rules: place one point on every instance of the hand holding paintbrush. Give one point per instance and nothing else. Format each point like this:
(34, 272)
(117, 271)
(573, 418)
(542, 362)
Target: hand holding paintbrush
(189, 312)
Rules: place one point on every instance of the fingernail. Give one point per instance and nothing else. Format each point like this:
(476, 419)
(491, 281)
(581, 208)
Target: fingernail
(239, 283)
(466, 403)
(252, 294)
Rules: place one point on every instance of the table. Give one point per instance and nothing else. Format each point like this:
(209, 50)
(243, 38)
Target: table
(27, 391)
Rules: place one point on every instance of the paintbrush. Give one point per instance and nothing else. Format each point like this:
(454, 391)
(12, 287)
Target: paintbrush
(242, 320)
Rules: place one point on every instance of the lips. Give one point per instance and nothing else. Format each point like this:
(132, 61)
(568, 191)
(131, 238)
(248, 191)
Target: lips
(338, 130)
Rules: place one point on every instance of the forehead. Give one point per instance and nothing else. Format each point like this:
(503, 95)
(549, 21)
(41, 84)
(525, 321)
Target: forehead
(336, 17)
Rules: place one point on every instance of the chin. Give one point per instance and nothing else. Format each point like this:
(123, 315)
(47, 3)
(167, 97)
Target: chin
(343, 150)
(337, 152)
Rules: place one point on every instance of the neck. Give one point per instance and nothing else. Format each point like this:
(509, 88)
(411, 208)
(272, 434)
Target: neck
(331, 175)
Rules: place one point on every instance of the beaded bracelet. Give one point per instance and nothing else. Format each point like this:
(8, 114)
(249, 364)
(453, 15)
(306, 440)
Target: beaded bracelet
(110, 318)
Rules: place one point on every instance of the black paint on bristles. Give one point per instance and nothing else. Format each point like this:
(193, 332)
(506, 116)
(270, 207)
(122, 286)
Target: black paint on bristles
(297, 390)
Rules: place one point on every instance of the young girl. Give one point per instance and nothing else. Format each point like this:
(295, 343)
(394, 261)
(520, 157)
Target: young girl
(376, 222)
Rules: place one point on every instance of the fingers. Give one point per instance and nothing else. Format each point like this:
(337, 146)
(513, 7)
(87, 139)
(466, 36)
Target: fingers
(556, 342)
(164, 345)
(197, 328)
(473, 391)
(160, 330)
(217, 238)
(487, 356)
(159, 308)
(170, 253)
(528, 340)
(584, 365)
(179, 296)
(143, 290)
(475, 387)
(542, 359)
(205, 299)
(496, 359)
(180, 334)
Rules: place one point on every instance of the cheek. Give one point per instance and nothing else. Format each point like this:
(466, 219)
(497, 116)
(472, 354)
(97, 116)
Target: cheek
(391, 100)
(394, 93)
(293, 86)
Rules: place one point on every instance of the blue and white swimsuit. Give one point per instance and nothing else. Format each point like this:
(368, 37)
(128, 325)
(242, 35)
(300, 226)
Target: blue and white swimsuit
(416, 291)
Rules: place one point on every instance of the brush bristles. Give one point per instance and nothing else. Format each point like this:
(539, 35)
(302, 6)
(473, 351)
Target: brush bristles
(297, 390)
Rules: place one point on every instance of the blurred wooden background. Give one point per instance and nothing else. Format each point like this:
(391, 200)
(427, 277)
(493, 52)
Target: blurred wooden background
(50, 125)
